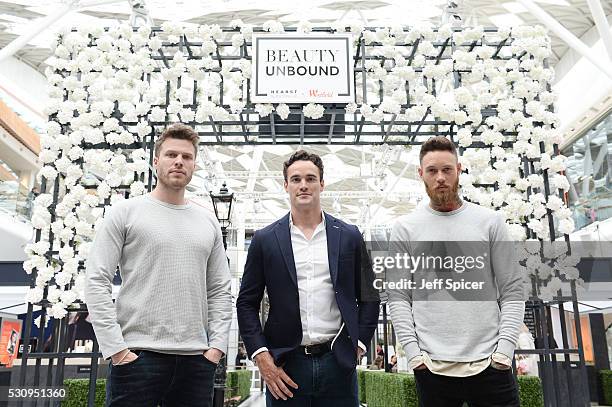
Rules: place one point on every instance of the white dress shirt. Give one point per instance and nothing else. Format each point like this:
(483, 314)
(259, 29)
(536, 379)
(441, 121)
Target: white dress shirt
(321, 319)
(319, 312)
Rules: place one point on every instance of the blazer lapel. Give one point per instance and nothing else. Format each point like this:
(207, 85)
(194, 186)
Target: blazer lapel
(284, 241)
(333, 230)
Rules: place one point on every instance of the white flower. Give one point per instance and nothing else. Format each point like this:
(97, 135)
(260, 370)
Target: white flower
(282, 110)
(464, 137)
(554, 203)
(143, 129)
(48, 172)
(351, 108)
(304, 27)
(463, 96)
(63, 278)
(536, 181)
(389, 105)
(313, 111)
(566, 226)
(66, 253)
(460, 117)
(137, 188)
(103, 190)
(273, 26)
(75, 153)
(186, 115)
(57, 311)
(68, 297)
(157, 114)
(84, 229)
(264, 109)
(516, 232)
(558, 163)
(491, 137)
(538, 227)
(34, 295)
(110, 124)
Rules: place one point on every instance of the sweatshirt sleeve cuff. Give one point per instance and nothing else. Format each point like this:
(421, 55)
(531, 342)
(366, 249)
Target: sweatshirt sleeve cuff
(108, 351)
(505, 347)
(221, 345)
(412, 350)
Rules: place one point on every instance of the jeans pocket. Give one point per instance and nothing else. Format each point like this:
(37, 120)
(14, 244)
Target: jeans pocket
(210, 362)
(497, 369)
(138, 357)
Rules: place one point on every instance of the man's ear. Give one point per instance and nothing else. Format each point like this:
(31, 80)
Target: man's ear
(420, 170)
(286, 184)
(458, 168)
(322, 185)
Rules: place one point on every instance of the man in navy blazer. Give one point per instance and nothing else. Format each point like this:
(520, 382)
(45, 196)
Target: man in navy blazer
(323, 306)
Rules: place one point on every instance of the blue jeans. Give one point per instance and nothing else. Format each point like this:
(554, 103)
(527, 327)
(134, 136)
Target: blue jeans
(322, 383)
(161, 379)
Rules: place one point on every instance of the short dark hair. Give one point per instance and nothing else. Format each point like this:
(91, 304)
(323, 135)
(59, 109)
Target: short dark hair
(302, 155)
(437, 143)
(178, 131)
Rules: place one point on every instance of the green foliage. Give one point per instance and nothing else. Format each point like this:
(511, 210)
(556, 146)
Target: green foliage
(361, 383)
(530, 391)
(380, 389)
(606, 384)
(238, 383)
(390, 389)
(77, 391)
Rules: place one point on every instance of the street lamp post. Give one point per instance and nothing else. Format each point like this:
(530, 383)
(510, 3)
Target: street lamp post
(222, 204)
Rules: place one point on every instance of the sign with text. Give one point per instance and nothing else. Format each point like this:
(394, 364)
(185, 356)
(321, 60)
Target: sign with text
(302, 68)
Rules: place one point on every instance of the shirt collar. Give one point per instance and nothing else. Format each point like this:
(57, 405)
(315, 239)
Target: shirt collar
(291, 218)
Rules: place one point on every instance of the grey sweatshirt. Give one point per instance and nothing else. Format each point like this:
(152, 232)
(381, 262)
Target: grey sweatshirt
(453, 330)
(175, 294)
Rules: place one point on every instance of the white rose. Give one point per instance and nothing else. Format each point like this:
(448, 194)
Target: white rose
(313, 111)
(566, 226)
(282, 110)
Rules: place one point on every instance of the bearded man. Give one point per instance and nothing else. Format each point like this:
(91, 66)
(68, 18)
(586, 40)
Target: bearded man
(461, 342)
(170, 323)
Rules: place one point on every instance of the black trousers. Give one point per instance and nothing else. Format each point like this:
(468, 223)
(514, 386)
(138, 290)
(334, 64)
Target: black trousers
(489, 388)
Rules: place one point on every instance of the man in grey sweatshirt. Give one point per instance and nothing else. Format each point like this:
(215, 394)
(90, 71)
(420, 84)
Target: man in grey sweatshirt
(170, 324)
(460, 342)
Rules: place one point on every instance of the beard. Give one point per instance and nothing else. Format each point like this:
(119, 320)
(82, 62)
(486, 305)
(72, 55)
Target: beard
(173, 183)
(445, 197)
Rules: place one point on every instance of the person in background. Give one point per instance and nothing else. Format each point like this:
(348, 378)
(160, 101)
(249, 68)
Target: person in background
(377, 364)
(392, 367)
(240, 357)
(526, 364)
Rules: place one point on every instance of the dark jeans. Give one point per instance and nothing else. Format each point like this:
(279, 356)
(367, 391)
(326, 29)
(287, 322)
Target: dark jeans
(161, 379)
(322, 383)
(489, 388)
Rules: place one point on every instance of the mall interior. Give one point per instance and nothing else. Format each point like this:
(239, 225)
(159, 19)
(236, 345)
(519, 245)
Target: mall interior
(87, 85)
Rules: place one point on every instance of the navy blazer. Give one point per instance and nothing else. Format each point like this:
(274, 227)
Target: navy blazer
(270, 265)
